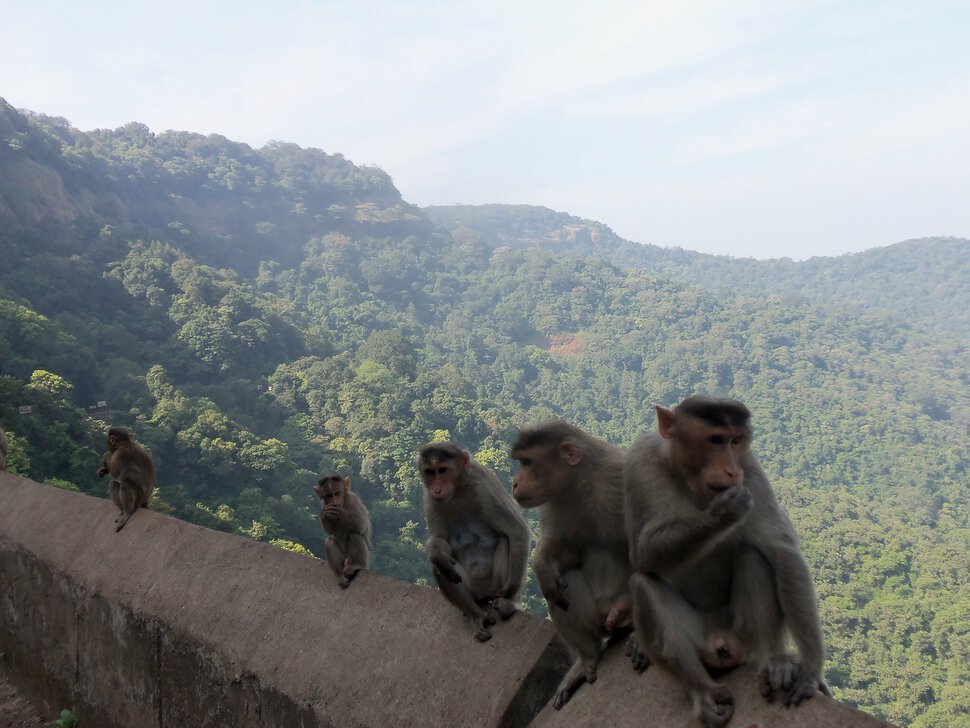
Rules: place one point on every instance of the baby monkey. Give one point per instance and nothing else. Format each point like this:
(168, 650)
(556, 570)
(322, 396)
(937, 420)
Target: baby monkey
(345, 518)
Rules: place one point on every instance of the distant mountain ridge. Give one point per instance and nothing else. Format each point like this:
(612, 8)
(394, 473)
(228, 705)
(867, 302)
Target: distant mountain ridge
(924, 282)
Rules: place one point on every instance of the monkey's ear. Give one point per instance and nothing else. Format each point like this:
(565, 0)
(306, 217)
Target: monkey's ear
(571, 453)
(347, 483)
(665, 422)
(466, 460)
(318, 490)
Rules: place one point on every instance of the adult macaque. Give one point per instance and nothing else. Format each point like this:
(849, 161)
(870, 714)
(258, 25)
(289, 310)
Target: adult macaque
(582, 559)
(345, 518)
(132, 473)
(478, 541)
(719, 578)
(3, 449)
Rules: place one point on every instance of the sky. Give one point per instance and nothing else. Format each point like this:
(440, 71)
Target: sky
(759, 128)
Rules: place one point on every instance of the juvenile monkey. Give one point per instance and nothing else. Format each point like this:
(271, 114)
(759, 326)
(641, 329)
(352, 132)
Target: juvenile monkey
(345, 518)
(719, 578)
(478, 541)
(132, 473)
(582, 560)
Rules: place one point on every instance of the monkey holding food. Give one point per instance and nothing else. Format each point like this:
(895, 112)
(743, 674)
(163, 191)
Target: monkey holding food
(718, 574)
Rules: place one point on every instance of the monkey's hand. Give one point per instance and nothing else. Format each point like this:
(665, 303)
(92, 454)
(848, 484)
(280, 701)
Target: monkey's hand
(731, 506)
(102, 471)
(332, 511)
(445, 565)
(552, 586)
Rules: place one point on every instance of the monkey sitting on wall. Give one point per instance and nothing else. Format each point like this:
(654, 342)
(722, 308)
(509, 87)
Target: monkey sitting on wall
(582, 561)
(719, 578)
(345, 518)
(132, 473)
(478, 541)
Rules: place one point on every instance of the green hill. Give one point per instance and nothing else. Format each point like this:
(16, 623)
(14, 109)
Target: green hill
(259, 316)
(921, 282)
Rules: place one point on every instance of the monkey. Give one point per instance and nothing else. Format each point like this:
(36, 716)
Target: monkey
(582, 559)
(478, 540)
(132, 473)
(344, 517)
(3, 449)
(718, 574)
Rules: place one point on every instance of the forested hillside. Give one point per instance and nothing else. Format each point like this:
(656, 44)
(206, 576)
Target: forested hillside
(259, 316)
(921, 282)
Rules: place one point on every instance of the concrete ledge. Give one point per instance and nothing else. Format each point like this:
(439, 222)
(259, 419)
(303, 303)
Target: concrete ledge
(166, 624)
(654, 698)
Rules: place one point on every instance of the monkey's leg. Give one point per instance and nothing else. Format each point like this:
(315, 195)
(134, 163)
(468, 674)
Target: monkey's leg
(674, 631)
(581, 628)
(114, 489)
(503, 606)
(128, 494)
(456, 586)
(759, 623)
(357, 558)
(335, 555)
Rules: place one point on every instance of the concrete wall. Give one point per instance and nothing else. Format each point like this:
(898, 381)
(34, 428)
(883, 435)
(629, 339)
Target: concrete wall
(168, 625)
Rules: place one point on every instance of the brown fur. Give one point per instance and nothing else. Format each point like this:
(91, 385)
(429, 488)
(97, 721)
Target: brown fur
(719, 577)
(344, 517)
(132, 473)
(582, 560)
(478, 543)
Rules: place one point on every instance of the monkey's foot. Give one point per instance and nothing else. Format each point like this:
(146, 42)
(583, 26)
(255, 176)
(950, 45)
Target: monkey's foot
(714, 707)
(505, 608)
(777, 675)
(638, 656)
(482, 633)
(580, 672)
(121, 520)
(792, 681)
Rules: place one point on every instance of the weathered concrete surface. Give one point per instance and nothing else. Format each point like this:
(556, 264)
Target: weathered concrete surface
(168, 625)
(655, 699)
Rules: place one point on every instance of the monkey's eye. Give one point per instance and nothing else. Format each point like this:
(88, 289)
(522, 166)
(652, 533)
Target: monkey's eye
(428, 472)
(525, 462)
(737, 440)
(717, 439)
(442, 470)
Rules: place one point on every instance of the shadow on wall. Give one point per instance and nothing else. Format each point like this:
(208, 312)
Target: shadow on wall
(166, 624)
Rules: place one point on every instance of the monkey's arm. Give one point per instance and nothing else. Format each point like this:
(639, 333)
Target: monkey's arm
(796, 594)
(553, 557)
(356, 519)
(515, 531)
(667, 544)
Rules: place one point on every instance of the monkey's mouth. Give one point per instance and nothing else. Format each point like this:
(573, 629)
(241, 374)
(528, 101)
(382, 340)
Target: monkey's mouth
(718, 488)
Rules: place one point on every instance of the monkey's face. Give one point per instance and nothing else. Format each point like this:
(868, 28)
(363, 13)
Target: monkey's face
(441, 476)
(331, 491)
(544, 473)
(710, 458)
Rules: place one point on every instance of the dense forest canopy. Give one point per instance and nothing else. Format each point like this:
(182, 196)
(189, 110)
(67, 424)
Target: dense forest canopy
(257, 317)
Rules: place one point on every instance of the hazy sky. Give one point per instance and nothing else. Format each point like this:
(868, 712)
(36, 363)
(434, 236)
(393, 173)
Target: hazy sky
(782, 127)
